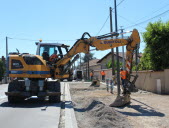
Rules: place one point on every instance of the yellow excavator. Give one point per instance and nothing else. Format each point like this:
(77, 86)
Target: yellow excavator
(38, 75)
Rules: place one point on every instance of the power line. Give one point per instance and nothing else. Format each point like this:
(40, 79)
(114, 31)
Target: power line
(148, 19)
(128, 20)
(36, 39)
(109, 16)
(119, 3)
(60, 40)
(142, 17)
(103, 24)
(21, 39)
(153, 12)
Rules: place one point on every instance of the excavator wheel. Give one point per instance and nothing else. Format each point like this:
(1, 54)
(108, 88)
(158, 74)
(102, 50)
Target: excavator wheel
(13, 87)
(54, 86)
(41, 98)
(70, 79)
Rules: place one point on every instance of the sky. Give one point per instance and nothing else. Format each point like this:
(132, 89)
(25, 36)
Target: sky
(24, 22)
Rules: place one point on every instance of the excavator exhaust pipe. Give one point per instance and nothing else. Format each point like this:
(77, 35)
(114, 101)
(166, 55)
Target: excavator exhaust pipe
(121, 101)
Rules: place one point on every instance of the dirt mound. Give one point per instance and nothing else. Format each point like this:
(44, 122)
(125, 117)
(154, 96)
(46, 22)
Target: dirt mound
(96, 114)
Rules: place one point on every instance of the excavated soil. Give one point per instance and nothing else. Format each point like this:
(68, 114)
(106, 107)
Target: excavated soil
(91, 111)
(91, 105)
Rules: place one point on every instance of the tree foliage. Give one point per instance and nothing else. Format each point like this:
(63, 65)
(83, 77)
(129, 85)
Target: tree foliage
(2, 69)
(87, 57)
(156, 52)
(109, 64)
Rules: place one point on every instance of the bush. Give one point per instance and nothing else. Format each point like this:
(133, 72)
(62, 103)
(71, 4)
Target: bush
(2, 69)
(156, 53)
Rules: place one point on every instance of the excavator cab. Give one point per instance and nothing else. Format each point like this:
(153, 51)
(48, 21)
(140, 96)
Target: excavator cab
(48, 50)
(51, 48)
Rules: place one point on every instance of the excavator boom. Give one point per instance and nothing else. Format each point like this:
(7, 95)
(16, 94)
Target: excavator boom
(100, 43)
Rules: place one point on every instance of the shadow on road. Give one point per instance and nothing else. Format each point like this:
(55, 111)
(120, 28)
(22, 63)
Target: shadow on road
(31, 103)
(142, 110)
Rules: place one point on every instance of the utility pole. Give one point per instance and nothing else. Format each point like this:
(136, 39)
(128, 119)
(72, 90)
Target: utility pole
(86, 66)
(117, 52)
(74, 66)
(80, 60)
(6, 73)
(122, 49)
(88, 74)
(112, 50)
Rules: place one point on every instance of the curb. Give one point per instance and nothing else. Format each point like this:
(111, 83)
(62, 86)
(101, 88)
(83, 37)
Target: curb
(70, 119)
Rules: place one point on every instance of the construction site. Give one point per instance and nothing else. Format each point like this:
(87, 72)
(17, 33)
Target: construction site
(117, 78)
(84, 106)
(143, 111)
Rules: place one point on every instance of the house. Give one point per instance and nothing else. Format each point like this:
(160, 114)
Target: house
(97, 64)
(100, 64)
(92, 66)
(103, 61)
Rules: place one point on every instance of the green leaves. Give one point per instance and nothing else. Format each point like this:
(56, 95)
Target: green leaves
(109, 64)
(2, 69)
(156, 52)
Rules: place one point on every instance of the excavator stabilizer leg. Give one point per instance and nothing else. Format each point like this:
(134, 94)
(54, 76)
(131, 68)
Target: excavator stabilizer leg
(121, 101)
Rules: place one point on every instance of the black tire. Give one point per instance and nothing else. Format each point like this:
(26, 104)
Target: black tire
(54, 86)
(70, 79)
(61, 79)
(14, 86)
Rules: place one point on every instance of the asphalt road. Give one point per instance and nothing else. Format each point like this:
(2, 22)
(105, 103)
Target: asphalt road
(30, 114)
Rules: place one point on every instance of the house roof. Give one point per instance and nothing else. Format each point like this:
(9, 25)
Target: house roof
(120, 55)
(107, 56)
(92, 62)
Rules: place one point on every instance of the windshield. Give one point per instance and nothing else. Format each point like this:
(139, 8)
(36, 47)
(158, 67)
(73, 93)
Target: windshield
(49, 49)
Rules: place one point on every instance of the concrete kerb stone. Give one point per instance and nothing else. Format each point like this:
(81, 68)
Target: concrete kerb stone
(70, 119)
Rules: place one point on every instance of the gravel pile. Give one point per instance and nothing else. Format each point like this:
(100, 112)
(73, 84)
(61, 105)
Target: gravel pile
(91, 113)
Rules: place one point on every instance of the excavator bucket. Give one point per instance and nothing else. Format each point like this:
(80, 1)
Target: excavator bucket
(95, 83)
(121, 101)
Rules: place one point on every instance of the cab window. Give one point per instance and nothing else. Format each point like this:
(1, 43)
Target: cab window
(49, 49)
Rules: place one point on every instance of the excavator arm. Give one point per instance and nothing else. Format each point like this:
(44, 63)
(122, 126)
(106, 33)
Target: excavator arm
(101, 43)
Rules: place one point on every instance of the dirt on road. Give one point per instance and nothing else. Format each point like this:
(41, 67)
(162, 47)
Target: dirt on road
(91, 105)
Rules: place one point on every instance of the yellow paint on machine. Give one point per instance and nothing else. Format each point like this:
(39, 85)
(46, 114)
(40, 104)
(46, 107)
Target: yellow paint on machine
(29, 68)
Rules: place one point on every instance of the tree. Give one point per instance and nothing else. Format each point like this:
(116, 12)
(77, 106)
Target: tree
(87, 57)
(109, 64)
(2, 69)
(156, 53)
